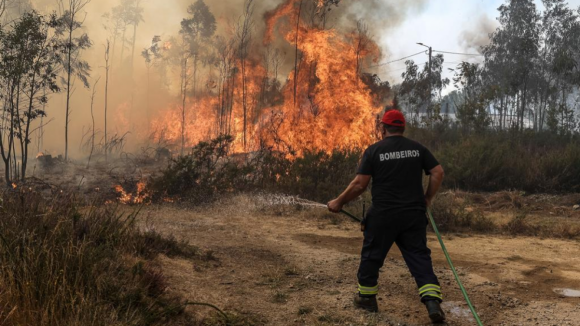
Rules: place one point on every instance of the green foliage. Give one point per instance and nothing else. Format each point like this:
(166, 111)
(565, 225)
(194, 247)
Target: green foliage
(471, 111)
(202, 22)
(493, 161)
(70, 45)
(421, 90)
(65, 266)
(529, 78)
(29, 62)
(209, 171)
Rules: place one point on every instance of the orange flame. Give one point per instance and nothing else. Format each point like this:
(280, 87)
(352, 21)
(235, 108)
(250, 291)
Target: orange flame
(325, 105)
(127, 198)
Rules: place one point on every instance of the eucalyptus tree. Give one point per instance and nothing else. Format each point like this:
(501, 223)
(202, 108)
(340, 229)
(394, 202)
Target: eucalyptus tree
(29, 63)
(195, 34)
(243, 30)
(135, 17)
(513, 56)
(559, 65)
(472, 107)
(75, 42)
(153, 56)
(421, 87)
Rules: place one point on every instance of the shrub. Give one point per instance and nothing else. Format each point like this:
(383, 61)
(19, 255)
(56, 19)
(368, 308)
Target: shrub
(209, 171)
(453, 217)
(318, 176)
(495, 161)
(199, 176)
(519, 225)
(485, 161)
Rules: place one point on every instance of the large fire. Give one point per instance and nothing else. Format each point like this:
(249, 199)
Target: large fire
(325, 104)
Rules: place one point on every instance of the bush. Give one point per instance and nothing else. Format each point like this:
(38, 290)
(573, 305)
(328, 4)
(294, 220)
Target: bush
(454, 217)
(496, 161)
(63, 265)
(199, 176)
(519, 225)
(209, 171)
(484, 162)
(317, 176)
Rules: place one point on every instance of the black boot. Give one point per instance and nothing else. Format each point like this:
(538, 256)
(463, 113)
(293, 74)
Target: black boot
(368, 303)
(434, 310)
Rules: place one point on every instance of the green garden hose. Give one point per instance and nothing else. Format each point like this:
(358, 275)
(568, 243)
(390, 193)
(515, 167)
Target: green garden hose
(453, 268)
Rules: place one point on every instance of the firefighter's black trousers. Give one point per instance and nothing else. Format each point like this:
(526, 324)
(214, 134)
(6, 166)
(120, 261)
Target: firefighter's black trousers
(409, 231)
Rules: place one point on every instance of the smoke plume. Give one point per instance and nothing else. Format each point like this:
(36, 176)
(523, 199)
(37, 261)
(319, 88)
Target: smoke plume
(473, 38)
(131, 105)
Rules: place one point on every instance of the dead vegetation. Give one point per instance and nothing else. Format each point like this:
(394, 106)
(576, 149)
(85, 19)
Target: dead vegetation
(510, 213)
(56, 249)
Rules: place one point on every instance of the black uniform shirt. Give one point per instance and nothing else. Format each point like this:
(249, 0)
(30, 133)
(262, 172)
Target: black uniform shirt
(396, 165)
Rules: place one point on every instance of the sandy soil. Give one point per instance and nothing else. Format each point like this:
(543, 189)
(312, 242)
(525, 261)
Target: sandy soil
(299, 268)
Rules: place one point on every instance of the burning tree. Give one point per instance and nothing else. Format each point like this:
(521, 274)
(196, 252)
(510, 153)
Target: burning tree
(325, 102)
(195, 32)
(334, 106)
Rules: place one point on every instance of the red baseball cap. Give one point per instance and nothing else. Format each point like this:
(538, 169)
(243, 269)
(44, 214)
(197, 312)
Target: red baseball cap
(394, 118)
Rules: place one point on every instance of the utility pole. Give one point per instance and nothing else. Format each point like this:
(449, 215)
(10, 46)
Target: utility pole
(430, 81)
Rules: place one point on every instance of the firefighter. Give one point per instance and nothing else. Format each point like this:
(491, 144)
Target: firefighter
(397, 214)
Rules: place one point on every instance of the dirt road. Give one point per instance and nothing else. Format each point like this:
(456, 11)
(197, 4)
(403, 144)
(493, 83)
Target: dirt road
(299, 268)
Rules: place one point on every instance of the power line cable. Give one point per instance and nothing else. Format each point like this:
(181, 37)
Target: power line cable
(389, 62)
(418, 64)
(399, 69)
(412, 55)
(447, 52)
(395, 70)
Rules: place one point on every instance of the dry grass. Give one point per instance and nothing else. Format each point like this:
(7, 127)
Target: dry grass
(63, 265)
(509, 213)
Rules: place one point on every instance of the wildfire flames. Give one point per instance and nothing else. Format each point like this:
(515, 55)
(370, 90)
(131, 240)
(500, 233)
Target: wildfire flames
(128, 198)
(325, 105)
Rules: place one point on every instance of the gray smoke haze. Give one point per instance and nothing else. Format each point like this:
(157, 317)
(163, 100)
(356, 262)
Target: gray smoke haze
(130, 100)
(381, 16)
(477, 35)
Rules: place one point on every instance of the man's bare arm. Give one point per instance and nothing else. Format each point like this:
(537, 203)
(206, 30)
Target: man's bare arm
(354, 189)
(435, 179)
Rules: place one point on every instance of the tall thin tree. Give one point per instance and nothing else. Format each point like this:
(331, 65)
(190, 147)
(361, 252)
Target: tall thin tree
(92, 140)
(70, 10)
(107, 68)
(244, 34)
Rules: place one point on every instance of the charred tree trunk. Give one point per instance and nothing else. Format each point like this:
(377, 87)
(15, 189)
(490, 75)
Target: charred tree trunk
(24, 138)
(106, 96)
(68, 94)
(296, 52)
(123, 44)
(183, 100)
(93, 122)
